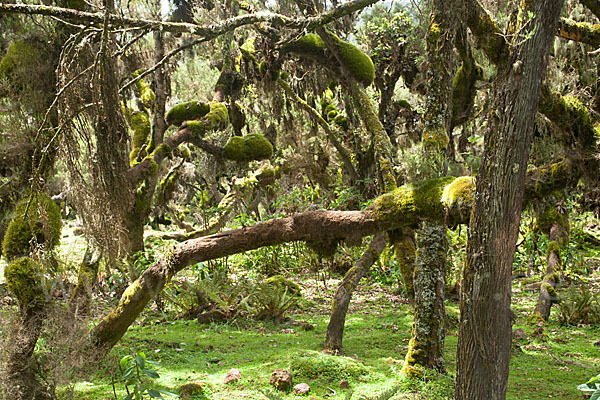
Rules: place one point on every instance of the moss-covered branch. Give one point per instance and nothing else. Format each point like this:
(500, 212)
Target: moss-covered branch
(449, 199)
(206, 31)
(583, 32)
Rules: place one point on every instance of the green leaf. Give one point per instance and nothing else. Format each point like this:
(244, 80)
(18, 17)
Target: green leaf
(595, 395)
(126, 373)
(153, 363)
(151, 373)
(140, 359)
(129, 396)
(168, 393)
(125, 361)
(154, 394)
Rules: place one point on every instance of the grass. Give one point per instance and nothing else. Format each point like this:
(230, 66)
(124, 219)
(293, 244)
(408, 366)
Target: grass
(543, 365)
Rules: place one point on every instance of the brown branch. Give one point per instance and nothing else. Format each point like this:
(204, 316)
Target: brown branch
(206, 31)
(582, 32)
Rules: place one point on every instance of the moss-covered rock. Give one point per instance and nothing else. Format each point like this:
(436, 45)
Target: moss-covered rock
(41, 226)
(23, 281)
(187, 111)
(248, 148)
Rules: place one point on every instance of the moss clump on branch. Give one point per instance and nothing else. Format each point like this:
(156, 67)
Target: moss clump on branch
(41, 226)
(549, 217)
(412, 202)
(147, 96)
(187, 111)
(140, 123)
(23, 281)
(354, 60)
(248, 148)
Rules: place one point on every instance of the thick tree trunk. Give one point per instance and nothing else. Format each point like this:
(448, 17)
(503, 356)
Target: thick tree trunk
(485, 322)
(343, 295)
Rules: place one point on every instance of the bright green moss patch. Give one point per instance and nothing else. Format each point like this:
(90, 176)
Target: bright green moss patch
(314, 365)
(187, 111)
(549, 217)
(412, 202)
(21, 55)
(248, 148)
(23, 281)
(147, 96)
(309, 45)
(358, 63)
(198, 128)
(218, 115)
(41, 226)
(460, 194)
(141, 130)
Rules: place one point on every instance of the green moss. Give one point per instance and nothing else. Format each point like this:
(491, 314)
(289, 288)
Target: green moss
(217, 116)
(198, 128)
(161, 151)
(141, 130)
(187, 111)
(412, 201)
(248, 148)
(309, 45)
(147, 96)
(262, 68)
(435, 139)
(41, 226)
(267, 175)
(21, 56)
(284, 75)
(554, 247)
(358, 63)
(549, 217)
(459, 194)
(23, 281)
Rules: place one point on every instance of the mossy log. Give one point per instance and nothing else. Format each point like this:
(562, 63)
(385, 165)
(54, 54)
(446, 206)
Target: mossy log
(406, 206)
(341, 300)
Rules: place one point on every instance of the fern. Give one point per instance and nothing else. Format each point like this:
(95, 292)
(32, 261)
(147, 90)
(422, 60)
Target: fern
(271, 394)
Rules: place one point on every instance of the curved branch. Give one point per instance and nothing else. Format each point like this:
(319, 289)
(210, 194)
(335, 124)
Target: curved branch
(206, 31)
(583, 32)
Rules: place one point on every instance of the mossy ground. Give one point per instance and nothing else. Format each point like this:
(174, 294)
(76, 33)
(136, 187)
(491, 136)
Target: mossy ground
(375, 343)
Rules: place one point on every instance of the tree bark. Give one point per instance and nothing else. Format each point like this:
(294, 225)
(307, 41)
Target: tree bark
(485, 322)
(343, 295)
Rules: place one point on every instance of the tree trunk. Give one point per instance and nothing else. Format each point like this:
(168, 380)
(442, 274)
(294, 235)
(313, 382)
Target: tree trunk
(555, 225)
(343, 295)
(426, 346)
(79, 304)
(404, 244)
(485, 321)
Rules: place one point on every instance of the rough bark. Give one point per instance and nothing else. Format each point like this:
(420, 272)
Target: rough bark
(426, 346)
(485, 321)
(343, 295)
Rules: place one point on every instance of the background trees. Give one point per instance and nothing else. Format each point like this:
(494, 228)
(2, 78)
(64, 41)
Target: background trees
(295, 101)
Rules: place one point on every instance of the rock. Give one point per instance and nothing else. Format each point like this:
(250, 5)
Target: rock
(281, 379)
(518, 334)
(344, 384)
(301, 388)
(233, 375)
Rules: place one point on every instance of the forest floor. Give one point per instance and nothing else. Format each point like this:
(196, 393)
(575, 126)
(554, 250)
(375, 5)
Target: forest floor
(548, 362)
